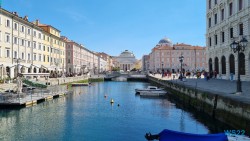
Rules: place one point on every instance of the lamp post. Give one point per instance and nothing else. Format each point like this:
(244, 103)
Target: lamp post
(181, 60)
(162, 70)
(239, 46)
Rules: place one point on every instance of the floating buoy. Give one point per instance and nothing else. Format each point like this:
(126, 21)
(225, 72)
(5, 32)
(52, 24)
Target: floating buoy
(105, 96)
(118, 105)
(112, 101)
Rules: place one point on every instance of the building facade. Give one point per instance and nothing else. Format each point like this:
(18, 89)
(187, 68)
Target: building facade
(165, 56)
(228, 21)
(20, 45)
(125, 61)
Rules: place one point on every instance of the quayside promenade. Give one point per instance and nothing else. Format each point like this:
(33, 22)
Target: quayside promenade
(214, 97)
(32, 97)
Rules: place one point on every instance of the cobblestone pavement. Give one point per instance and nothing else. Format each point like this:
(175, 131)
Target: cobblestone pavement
(221, 87)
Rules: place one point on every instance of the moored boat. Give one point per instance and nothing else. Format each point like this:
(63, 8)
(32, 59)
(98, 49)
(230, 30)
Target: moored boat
(169, 135)
(80, 84)
(148, 89)
(153, 93)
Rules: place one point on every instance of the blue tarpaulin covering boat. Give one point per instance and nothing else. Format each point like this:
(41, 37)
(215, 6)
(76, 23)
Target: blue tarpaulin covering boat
(169, 135)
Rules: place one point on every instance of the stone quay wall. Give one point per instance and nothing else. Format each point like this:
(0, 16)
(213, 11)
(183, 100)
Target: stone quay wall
(232, 112)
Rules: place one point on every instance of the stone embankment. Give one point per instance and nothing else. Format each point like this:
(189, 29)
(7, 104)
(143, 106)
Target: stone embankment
(229, 108)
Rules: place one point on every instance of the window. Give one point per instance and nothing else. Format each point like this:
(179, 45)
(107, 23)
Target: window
(22, 42)
(22, 28)
(7, 52)
(240, 5)
(40, 46)
(210, 41)
(0, 36)
(209, 4)
(222, 14)
(215, 39)
(222, 37)
(44, 58)
(15, 40)
(7, 23)
(22, 55)
(68, 61)
(15, 54)
(215, 1)
(7, 38)
(29, 44)
(44, 48)
(209, 22)
(48, 58)
(231, 32)
(28, 31)
(40, 57)
(241, 29)
(28, 56)
(231, 9)
(34, 34)
(215, 18)
(39, 35)
(48, 49)
(34, 57)
(15, 26)
(34, 44)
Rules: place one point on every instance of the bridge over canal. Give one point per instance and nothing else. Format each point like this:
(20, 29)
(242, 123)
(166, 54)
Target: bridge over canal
(125, 76)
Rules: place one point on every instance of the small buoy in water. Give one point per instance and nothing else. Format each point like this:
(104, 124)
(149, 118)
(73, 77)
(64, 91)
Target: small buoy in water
(118, 105)
(112, 101)
(105, 96)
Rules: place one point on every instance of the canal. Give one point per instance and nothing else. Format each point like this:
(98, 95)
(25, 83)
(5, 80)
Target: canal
(88, 115)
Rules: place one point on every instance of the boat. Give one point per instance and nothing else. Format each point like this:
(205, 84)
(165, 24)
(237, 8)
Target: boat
(153, 93)
(170, 135)
(148, 89)
(79, 84)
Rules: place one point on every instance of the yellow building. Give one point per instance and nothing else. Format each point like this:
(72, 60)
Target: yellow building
(54, 53)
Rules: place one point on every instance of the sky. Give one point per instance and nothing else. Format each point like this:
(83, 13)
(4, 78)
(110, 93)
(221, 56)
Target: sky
(112, 26)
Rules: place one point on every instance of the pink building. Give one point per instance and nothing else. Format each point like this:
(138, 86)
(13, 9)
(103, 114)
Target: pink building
(165, 56)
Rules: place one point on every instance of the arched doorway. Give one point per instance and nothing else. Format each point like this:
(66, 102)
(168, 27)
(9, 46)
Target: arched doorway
(8, 71)
(34, 70)
(210, 65)
(22, 69)
(223, 65)
(29, 70)
(216, 64)
(242, 66)
(232, 64)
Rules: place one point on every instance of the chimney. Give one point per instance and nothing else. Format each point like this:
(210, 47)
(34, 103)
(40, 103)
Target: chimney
(26, 18)
(15, 13)
(37, 22)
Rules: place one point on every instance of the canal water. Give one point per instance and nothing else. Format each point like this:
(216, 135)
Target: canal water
(87, 115)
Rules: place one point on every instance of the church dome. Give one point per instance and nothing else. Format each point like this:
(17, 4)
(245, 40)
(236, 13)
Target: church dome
(126, 53)
(166, 41)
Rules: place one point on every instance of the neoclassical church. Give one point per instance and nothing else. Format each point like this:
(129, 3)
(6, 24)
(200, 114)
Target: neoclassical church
(125, 61)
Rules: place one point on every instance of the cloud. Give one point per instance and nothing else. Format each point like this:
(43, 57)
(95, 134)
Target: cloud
(76, 16)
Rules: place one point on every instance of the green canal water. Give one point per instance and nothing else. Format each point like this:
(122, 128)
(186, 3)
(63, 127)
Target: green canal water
(87, 115)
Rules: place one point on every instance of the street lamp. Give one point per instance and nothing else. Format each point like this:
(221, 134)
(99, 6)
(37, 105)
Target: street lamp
(181, 60)
(239, 46)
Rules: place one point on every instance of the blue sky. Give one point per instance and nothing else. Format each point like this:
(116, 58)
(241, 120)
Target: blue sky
(113, 26)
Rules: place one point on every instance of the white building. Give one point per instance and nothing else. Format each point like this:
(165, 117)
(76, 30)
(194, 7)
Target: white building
(125, 61)
(228, 21)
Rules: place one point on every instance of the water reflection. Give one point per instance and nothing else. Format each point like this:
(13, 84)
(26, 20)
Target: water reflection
(88, 115)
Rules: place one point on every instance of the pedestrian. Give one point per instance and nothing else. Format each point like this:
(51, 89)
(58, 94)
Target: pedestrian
(215, 74)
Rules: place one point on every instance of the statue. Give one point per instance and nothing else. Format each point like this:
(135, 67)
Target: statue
(19, 84)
